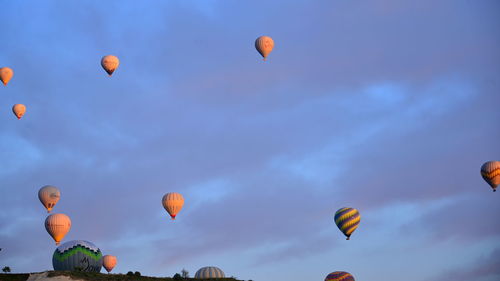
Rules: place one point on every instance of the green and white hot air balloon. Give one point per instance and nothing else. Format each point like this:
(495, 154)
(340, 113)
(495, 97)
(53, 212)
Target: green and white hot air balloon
(77, 254)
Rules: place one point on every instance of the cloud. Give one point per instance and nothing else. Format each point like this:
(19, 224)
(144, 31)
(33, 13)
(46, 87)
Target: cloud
(485, 268)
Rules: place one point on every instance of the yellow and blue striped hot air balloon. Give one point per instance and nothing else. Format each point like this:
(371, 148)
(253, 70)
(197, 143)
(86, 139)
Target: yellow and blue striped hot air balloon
(339, 276)
(491, 173)
(347, 219)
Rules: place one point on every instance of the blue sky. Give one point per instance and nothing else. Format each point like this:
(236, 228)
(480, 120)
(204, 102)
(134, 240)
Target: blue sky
(388, 106)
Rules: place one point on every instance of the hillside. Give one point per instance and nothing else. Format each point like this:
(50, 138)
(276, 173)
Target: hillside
(89, 276)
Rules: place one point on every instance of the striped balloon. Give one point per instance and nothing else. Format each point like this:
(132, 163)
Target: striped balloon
(172, 202)
(491, 173)
(209, 272)
(57, 225)
(339, 276)
(347, 220)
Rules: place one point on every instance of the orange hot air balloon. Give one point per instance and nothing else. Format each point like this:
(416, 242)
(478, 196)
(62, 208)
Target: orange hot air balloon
(264, 45)
(6, 74)
(19, 110)
(110, 64)
(49, 195)
(491, 173)
(57, 225)
(173, 202)
(109, 262)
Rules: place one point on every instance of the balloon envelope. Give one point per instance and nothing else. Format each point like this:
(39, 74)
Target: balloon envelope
(339, 276)
(109, 262)
(264, 45)
(209, 272)
(19, 110)
(173, 202)
(77, 254)
(110, 64)
(490, 171)
(57, 225)
(6, 74)
(347, 220)
(49, 195)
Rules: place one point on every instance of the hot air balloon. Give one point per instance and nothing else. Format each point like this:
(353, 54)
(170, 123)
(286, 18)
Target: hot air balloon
(173, 202)
(491, 173)
(77, 254)
(19, 110)
(209, 272)
(49, 195)
(57, 225)
(108, 262)
(5, 75)
(110, 64)
(264, 45)
(339, 276)
(347, 220)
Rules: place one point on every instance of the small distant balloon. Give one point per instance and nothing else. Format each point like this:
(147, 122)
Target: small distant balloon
(209, 272)
(173, 202)
(57, 225)
(264, 45)
(109, 262)
(19, 110)
(49, 195)
(347, 220)
(339, 276)
(6, 74)
(110, 64)
(491, 173)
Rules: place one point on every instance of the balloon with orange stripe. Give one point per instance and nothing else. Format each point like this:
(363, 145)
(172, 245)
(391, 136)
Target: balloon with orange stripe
(339, 276)
(491, 173)
(347, 220)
